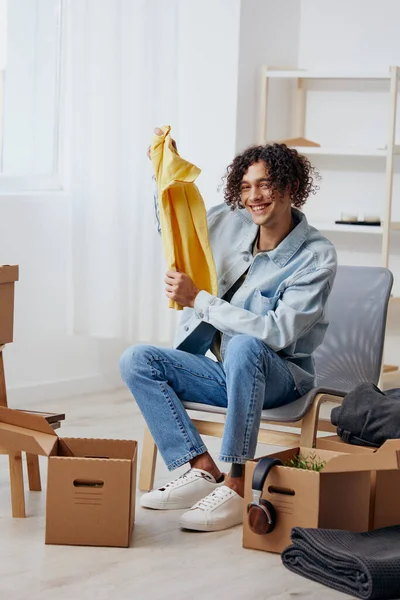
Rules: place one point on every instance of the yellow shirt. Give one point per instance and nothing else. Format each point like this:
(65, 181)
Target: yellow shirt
(183, 216)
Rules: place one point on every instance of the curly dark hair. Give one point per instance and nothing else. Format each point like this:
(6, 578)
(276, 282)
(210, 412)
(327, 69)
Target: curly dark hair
(287, 170)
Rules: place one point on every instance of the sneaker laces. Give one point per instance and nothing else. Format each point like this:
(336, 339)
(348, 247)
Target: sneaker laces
(213, 499)
(178, 481)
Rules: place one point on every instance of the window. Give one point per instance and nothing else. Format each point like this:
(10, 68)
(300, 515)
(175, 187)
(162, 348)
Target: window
(30, 45)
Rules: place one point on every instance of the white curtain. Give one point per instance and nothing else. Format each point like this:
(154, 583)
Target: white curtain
(121, 83)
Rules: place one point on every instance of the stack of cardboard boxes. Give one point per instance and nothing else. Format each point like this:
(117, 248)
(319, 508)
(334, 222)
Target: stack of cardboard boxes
(91, 483)
(356, 490)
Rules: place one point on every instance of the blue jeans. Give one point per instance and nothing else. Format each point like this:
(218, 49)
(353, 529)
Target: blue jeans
(251, 378)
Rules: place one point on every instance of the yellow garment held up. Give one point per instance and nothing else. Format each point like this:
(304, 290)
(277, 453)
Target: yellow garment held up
(183, 216)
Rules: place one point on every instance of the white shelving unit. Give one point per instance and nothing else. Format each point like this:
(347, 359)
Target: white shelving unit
(328, 226)
(388, 152)
(310, 74)
(322, 151)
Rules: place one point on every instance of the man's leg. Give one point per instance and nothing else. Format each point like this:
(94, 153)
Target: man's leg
(256, 378)
(160, 379)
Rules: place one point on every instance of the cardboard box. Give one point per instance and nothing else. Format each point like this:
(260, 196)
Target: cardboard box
(8, 276)
(384, 507)
(91, 483)
(344, 495)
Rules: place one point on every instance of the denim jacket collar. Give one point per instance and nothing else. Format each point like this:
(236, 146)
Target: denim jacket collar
(288, 246)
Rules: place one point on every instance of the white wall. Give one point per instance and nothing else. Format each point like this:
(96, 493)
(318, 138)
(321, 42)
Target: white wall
(221, 47)
(43, 358)
(3, 33)
(207, 78)
(269, 35)
(360, 35)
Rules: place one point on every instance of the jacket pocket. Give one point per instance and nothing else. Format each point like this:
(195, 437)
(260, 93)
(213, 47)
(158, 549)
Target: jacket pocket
(263, 304)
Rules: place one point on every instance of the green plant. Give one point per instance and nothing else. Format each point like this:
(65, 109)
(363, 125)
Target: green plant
(311, 463)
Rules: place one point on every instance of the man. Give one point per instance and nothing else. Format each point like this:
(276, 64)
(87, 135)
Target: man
(275, 273)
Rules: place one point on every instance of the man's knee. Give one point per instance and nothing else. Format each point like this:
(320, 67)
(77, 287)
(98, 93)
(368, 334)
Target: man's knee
(244, 344)
(243, 348)
(133, 359)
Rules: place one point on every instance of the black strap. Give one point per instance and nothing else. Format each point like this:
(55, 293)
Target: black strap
(350, 438)
(261, 471)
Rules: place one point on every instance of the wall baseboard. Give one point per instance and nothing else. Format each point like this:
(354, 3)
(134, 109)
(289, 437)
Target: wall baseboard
(46, 391)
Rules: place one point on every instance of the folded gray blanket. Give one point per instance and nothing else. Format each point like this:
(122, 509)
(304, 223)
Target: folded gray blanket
(365, 565)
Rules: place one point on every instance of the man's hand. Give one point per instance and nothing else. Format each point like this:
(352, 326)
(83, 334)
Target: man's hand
(158, 131)
(180, 288)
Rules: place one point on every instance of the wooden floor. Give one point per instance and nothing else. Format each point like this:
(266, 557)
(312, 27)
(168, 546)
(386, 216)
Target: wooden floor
(163, 562)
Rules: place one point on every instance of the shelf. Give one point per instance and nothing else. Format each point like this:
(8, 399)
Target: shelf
(390, 368)
(329, 226)
(322, 151)
(303, 74)
(347, 228)
(395, 294)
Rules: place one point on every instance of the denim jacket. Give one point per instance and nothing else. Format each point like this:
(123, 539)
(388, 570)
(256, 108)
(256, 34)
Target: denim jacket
(281, 301)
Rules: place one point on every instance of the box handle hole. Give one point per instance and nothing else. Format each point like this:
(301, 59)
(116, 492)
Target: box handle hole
(279, 490)
(85, 483)
(99, 457)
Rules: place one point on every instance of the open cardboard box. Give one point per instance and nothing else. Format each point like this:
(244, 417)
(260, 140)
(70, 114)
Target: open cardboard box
(91, 483)
(343, 495)
(384, 511)
(8, 277)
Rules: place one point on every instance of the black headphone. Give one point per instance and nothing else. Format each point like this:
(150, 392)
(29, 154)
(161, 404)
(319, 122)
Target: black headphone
(261, 514)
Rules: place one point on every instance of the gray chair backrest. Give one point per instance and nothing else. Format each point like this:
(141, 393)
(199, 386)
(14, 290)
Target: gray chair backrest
(352, 350)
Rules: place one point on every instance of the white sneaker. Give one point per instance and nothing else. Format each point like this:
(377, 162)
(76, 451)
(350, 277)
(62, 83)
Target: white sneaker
(182, 492)
(221, 509)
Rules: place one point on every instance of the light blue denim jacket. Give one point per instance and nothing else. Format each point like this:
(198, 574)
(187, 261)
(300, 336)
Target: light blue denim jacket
(281, 301)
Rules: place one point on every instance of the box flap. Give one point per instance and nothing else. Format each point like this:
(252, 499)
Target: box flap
(322, 454)
(8, 273)
(387, 458)
(389, 445)
(26, 432)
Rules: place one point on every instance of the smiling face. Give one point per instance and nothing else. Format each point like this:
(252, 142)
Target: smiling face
(268, 208)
